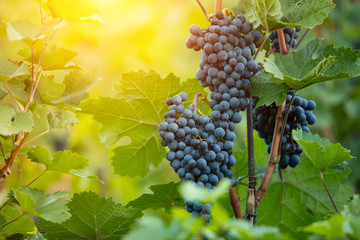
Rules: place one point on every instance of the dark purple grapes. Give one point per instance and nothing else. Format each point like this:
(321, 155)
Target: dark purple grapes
(288, 35)
(300, 116)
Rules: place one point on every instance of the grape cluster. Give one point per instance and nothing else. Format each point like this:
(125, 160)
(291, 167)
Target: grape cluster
(300, 116)
(288, 34)
(201, 146)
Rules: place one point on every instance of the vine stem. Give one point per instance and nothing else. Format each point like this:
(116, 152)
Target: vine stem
(5, 171)
(235, 203)
(11, 94)
(282, 42)
(301, 39)
(284, 124)
(204, 10)
(332, 201)
(36, 178)
(36, 137)
(292, 39)
(2, 150)
(218, 4)
(273, 154)
(261, 46)
(250, 201)
(195, 101)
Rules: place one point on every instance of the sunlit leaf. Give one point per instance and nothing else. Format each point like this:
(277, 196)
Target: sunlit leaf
(9, 69)
(12, 122)
(22, 225)
(92, 217)
(77, 84)
(47, 206)
(136, 114)
(64, 162)
(48, 89)
(60, 118)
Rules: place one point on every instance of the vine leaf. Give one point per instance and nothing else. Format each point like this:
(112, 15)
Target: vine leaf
(301, 198)
(267, 91)
(29, 32)
(332, 228)
(48, 89)
(135, 114)
(12, 122)
(64, 162)
(77, 84)
(320, 151)
(60, 118)
(92, 217)
(163, 196)
(304, 68)
(36, 202)
(10, 70)
(272, 15)
(263, 13)
(22, 225)
(305, 13)
(54, 58)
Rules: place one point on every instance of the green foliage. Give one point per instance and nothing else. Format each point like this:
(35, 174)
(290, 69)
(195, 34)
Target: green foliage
(164, 196)
(9, 70)
(92, 217)
(77, 84)
(15, 221)
(136, 113)
(320, 151)
(60, 118)
(269, 92)
(64, 162)
(12, 122)
(276, 14)
(54, 58)
(344, 225)
(47, 206)
(301, 198)
(303, 68)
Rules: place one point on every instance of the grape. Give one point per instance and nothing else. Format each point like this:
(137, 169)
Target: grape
(300, 116)
(288, 37)
(219, 132)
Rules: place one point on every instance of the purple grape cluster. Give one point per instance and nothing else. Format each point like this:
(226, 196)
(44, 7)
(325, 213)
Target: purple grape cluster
(201, 146)
(300, 116)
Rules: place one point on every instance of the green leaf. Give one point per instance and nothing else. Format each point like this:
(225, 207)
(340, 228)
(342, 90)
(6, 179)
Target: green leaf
(192, 191)
(307, 67)
(77, 84)
(267, 91)
(64, 162)
(301, 198)
(60, 118)
(49, 90)
(12, 122)
(265, 13)
(29, 31)
(164, 196)
(10, 70)
(305, 13)
(272, 15)
(37, 236)
(136, 115)
(92, 217)
(47, 206)
(334, 227)
(16, 222)
(320, 151)
(54, 58)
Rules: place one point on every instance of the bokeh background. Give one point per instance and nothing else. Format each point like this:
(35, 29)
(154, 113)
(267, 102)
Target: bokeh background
(149, 34)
